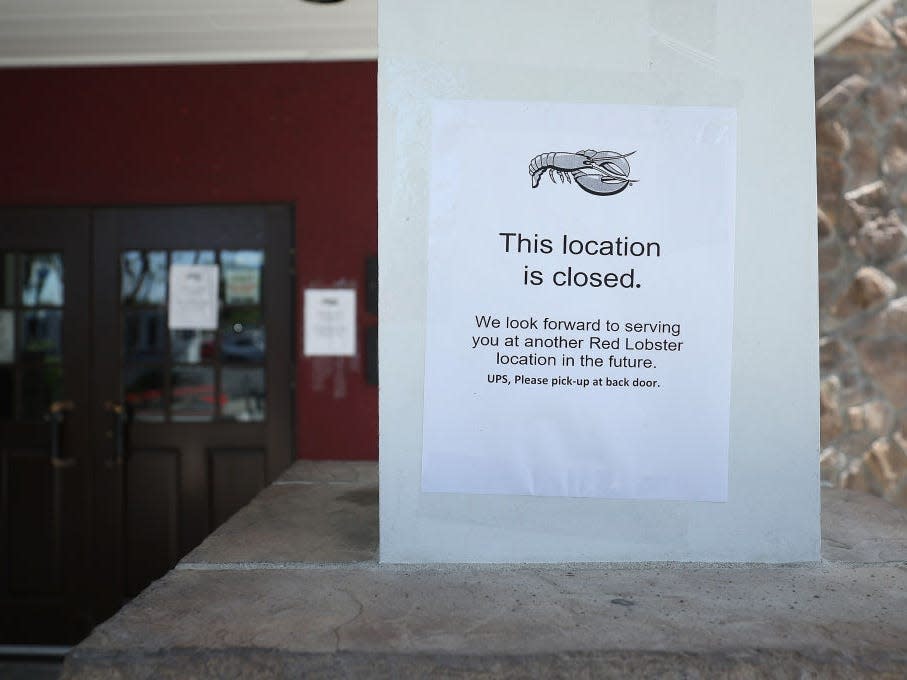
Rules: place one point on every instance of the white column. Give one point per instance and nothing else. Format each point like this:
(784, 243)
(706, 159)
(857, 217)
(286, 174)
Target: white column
(545, 60)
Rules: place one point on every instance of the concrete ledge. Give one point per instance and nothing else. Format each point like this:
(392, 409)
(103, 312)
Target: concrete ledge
(269, 663)
(288, 523)
(331, 611)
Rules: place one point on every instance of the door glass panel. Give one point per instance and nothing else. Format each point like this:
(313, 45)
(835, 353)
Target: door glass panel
(7, 392)
(191, 346)
(193, 257)
(194, 374)
(144, 334)
(42, 282)
(7, 279)
(7, 336)
(41, 385)
(143, 277)
(243, 394)
(242, 335)
(42, 332)
(143, 392)
(31, 334)
(241, 276)
(193, 393)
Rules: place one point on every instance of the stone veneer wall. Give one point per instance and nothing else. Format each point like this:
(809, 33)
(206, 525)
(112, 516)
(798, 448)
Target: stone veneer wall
(861, 116)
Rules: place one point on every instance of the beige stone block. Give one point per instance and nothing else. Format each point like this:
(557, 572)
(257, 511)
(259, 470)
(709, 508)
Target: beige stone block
(894, 163)
(834, 353)
(886, 99)
(830, 174)
(857, 479)
(886, 462)
(900, 30)
(869, 289)
(831, 425)
(869, 201)
(897, 270)
(854, 444)
(898, 495)
(831, 463)
(897, 132)
(878, 417)
(885, 360)
(842, 94)
(825, 226)
(830, 257)
(840, 214)
(881, 239)
(832, 137)
(874, 417)
(855, 388)
(856, 421)
(892, 320)
(863, 162)
(900, 439)
(870, 36)
(830, 289)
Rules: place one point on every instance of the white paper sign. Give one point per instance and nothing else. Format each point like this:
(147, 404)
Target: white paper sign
(580, 288)
(329, 322)
(193, 297)
(242, 285)
(7, 336)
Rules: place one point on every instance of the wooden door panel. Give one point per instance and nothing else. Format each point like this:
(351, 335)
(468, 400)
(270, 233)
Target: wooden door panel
(210, 413)
(80, 534)
(35, 531)
(152, 516)
(45, 503)
(234, 477)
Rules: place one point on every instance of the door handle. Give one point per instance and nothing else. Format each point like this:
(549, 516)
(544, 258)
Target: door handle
(55, 416)
(119, 431)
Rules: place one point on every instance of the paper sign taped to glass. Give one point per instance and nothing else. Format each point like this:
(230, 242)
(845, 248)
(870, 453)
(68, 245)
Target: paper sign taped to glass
(193, 299)
(580, 300)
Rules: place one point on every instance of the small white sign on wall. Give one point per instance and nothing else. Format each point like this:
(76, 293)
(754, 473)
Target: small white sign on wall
(580, 295)
(193, 297)
(329, 322)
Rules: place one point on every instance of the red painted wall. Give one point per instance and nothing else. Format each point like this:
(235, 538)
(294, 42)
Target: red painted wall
(300, 133)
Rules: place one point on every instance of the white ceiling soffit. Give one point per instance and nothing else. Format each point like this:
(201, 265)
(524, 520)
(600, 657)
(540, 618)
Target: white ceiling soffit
(69, 32)
(834, 20)
(64, 32)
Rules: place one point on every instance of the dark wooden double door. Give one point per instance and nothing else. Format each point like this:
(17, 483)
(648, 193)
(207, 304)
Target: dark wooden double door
(124, 441)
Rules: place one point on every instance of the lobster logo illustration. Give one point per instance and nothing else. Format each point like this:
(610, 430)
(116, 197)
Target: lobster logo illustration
(602, 173)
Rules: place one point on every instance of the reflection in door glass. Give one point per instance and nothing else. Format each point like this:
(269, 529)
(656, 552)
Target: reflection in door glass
(7, 279)
(241, 276)
(42, 282)
(7, 336)
(143, 277)
(242, 335)
(192, 257)
(193, 393)
(144, 334)
(41, 385)
(191, 346)
(42, 332)
(143, 392)
(243, 394)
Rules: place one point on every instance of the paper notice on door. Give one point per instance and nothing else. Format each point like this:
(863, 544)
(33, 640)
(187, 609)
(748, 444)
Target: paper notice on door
(7, 336)
(193, 297)
(329, 322)
(241, 285)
